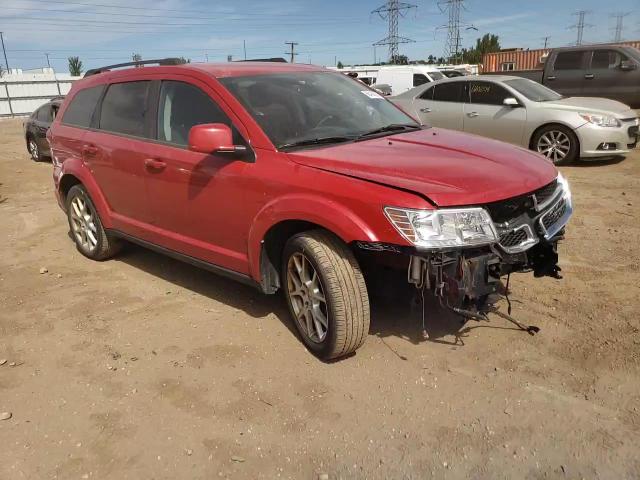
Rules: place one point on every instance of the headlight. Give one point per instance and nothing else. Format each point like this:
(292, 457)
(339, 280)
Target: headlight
(451, 227)
(565, 186)
(600, 120)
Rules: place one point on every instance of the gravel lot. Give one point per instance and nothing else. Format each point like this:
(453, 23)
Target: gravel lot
(144, 367)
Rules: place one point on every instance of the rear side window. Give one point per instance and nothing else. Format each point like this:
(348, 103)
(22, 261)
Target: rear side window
(487, 93)
(569, 61)
(44, 114)
(606, 59)
(124, 108)
(183, 106)
(80, 110)
(448, 92)
(427, 94)
(419, 79)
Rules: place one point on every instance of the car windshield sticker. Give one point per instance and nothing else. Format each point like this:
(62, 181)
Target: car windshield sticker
(371, 94)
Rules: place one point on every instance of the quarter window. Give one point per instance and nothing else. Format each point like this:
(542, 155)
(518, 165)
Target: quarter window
(44, 114)
(487, 93)
(80, 110)
(124, 108)
(419, 79)
(569, 61)
(448, 92)
(183, 106)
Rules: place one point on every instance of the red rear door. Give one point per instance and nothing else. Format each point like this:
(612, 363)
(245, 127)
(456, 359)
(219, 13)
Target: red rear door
(115, 153)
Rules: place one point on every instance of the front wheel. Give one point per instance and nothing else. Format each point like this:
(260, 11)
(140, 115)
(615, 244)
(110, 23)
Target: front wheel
(326, 294)
(558, 143)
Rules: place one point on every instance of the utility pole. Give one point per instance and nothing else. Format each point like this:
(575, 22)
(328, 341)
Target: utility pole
(48, 63)
(244, 47)
(206, 57)
(546, 41)
(617, 37)
(581, 25)
(6, 62)
(390, 11)
(292, 53)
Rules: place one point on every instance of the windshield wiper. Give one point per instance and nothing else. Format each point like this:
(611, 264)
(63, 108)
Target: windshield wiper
(394, 127)
(316, 141)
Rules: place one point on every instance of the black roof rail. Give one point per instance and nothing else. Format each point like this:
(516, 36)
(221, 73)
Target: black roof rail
(272, 59)
(139, 63)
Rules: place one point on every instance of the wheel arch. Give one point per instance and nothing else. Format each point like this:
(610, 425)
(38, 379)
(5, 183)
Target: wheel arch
(76, 173)
(278, 221)
(551, 124)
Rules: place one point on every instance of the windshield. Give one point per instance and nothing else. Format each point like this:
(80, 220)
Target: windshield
(533, 90)
(298, 107)
(436, 76)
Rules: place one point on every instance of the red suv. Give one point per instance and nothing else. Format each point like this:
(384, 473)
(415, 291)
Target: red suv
(296, 178)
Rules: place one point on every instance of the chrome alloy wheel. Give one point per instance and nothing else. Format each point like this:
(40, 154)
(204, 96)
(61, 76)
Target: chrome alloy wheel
(33, 149)
(555, 145)
(307, 298)
(83, 224)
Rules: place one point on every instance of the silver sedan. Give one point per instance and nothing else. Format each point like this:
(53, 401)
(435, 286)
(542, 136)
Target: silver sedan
(523, 112)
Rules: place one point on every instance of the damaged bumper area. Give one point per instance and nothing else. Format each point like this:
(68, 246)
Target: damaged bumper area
(467, 279)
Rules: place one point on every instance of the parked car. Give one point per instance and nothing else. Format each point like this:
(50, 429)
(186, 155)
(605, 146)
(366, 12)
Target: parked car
(35, 129)
(608, 71)
(404, 77)
(295, 178)
(525, 113)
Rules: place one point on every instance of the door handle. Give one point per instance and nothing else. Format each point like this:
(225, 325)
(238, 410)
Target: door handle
(552, 77)
(90, 150)
(154, 164)
(589, 76)
(425, 110)
(472, 114)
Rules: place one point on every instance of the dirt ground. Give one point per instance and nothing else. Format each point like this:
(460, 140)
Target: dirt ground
(144, 367)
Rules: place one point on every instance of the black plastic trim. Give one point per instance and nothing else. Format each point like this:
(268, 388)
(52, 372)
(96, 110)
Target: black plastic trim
(225, 272)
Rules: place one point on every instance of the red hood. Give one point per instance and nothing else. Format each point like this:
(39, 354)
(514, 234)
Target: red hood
(450, 168)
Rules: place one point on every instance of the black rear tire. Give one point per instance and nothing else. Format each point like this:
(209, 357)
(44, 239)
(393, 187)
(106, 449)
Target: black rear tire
(342, 284)
(86, 227)
(33, 149)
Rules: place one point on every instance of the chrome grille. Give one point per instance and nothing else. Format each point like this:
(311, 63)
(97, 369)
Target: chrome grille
(513, 238)
(545, 194)
(554, 214)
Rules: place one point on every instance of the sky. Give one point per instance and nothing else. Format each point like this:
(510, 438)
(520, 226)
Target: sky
(103, 32)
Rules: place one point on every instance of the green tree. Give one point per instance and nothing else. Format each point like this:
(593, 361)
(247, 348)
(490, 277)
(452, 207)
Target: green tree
(431, 60)
(340, 65)
(75, 66)
(400, 60)
(489, 43)
(184, 60)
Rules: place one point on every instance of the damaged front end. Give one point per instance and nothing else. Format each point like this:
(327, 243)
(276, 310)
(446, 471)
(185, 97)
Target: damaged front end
(461, 255)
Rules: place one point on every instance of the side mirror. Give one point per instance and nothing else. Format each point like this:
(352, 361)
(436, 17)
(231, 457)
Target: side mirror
(511, 102)
(627, 65)
(213, 138)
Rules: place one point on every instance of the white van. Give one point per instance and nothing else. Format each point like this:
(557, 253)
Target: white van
(404, 77)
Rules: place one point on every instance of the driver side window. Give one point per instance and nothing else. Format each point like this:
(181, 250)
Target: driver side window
(183, 106)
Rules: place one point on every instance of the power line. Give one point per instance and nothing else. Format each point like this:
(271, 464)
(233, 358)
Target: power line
(391, 11)
(617, 37)
(581, 25)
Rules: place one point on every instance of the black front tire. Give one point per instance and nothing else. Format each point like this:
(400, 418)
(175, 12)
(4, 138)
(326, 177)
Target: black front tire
(344, 288)
(573, 152)
(99, 246)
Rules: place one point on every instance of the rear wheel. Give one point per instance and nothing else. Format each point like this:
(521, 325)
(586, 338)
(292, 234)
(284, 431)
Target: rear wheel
(34, 150)
(86, 228)
(556, 142)
(326, 294)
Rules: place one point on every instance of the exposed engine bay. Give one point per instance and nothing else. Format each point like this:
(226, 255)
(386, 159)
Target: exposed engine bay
(469, 281)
